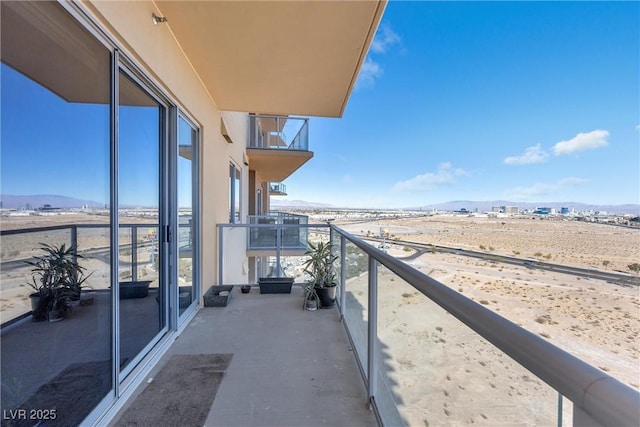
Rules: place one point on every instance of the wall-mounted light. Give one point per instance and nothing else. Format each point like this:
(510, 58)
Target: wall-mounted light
(157, 19)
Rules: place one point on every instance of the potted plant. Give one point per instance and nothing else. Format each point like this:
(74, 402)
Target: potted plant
(57, 278)
(320, 267)
(311, 300)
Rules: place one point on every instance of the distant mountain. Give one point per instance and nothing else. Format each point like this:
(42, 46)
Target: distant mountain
(297, 204)
(36, 201)
(483, 206)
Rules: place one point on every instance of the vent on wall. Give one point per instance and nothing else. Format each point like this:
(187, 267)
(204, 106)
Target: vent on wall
(223, 131)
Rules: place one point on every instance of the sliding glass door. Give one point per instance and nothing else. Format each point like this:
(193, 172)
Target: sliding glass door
(55, 186)
(186, 204)
(142, 235)
(95, 158)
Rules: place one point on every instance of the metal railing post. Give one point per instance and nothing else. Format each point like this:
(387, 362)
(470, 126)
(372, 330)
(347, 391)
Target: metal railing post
(74, 242)
(372, 327)
(343, 276)
(220, 254)
(559, 409)
(134, 253)
(279, 271)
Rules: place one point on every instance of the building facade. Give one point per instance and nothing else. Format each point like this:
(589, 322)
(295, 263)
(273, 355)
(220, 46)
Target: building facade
(156, 122)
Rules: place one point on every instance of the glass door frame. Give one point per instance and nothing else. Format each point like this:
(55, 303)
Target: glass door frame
(166, 132)
(179, 319)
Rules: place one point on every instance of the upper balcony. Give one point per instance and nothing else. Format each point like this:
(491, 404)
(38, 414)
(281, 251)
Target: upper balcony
(278, 145)
(277, 189)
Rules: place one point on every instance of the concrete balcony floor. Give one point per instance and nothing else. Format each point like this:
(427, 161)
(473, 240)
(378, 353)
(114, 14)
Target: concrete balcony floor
(290, 367)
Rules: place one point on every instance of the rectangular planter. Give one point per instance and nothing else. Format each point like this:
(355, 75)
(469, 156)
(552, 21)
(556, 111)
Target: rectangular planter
(212, 297)
(138, 289)
(275, 285)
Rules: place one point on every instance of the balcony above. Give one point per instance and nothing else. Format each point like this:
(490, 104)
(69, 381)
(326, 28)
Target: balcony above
(277, 189)
(273, 57)
(278, 145)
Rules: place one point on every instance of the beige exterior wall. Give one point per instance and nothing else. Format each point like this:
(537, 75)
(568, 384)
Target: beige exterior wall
(155, 50)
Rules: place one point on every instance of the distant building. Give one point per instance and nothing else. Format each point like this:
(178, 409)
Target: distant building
(542, 211)
(564, 211)
(511, 209)
(48, 208)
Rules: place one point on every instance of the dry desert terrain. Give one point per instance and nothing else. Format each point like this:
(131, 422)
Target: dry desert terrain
(435, 364)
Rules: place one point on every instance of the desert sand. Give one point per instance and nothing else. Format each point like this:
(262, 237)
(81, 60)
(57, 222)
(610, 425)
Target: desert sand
(439, 372)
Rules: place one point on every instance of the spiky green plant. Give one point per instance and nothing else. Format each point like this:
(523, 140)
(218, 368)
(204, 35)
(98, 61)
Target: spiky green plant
(320, 265)
(56, 275)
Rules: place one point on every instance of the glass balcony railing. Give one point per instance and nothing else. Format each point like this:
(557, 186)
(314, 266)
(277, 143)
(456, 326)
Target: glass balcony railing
(455, 362)
(138, 252)
(277, 229)
(277, 188)
(278, 132)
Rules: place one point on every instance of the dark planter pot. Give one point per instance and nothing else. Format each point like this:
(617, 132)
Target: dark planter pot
(39, 307)
(137, 289)
(327, 296)
(245, 289)
(275, 285)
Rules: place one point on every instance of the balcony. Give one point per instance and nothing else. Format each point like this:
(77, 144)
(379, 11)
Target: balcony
(454, 363)
(289, 367)
(277, 189)
(278, 145)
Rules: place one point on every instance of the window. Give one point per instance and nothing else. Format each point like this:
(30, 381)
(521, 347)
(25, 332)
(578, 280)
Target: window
(234, 193)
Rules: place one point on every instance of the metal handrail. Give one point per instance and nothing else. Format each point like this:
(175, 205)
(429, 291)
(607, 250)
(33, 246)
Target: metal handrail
(604, 398)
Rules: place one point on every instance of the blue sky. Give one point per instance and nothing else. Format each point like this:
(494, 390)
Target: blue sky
(529, 102)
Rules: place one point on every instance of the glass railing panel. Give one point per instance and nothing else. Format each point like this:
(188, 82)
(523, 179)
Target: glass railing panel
(278, 132)
(186, 284)
(263, 236)
(15, 273)
(147, 250)
(277, 187)
(356, 300)
(94, 245)
(434, 370)
(337, 264)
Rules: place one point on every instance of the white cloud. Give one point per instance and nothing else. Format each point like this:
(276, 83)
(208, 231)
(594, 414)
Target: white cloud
(542, 189)
(384, 39)
(582, 141)
(446, 174)
(534, 154)
(369, 72)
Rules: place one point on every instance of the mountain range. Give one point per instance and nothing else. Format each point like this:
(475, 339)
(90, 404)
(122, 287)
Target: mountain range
(35, 201)
(10, 201)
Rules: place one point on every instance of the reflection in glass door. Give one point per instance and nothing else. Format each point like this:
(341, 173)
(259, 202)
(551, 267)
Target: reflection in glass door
(186, 198)
(141, 281)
